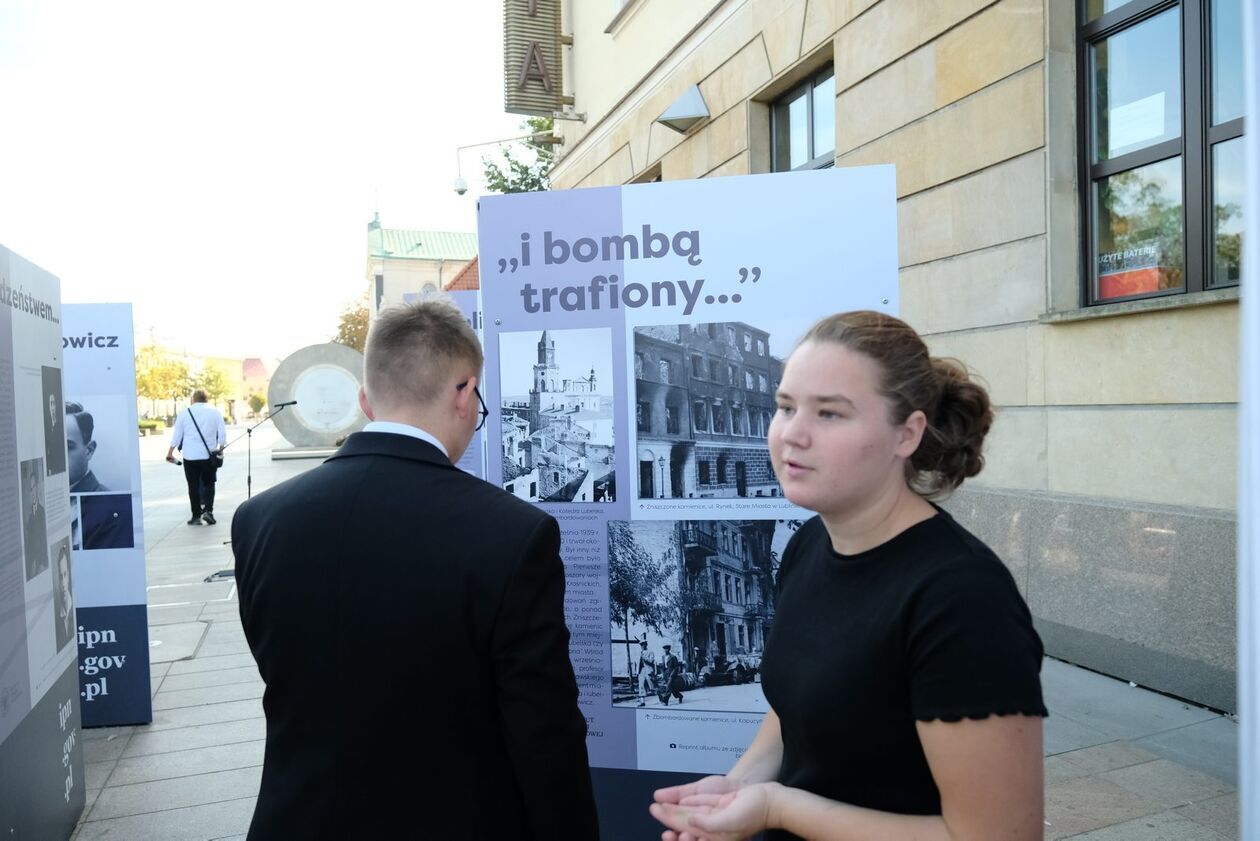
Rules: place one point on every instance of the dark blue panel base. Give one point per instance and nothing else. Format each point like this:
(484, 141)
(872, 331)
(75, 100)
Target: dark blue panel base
(42, 791)
(114, 684)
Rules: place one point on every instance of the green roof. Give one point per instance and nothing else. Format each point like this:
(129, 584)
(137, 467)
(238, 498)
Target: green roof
(396, 243)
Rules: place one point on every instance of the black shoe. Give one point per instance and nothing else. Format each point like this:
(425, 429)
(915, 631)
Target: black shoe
(643, 703)
(195, 521)
(209, 518)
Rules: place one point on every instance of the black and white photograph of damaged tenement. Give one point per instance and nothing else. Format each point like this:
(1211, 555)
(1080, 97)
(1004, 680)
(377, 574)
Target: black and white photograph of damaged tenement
(705, 589)
(558, 415)
(704, 397)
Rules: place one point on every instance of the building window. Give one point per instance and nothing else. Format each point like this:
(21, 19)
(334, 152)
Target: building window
(697, 367)
(1162, 162)
(671, 420)
(643, 416)
(638, 366)
(748, 380)
(719, 419)
(741, 633)
(803, 125)
(721, 469)
(701, 419)
(731, 337)
(726, 587)
(664, 367)
(761, 348)
(739, 598)
(713, 331)
(748, 345)
(731, 379)
(704, 472)
(715, 369)
(737, 426)
(761, 383)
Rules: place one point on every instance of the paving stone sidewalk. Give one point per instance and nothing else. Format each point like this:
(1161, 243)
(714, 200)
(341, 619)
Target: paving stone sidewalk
(1122, 763)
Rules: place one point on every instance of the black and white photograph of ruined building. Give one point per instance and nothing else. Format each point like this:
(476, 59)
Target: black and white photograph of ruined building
(557, 433)
(705, 589)
(704, 398)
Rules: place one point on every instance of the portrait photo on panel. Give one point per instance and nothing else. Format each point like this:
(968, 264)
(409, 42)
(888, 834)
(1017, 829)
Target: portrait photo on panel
(557, 407)
(63, 592)
(105, 522)
(76, 525)
(34, 517)
(99, 442)
(54, 424)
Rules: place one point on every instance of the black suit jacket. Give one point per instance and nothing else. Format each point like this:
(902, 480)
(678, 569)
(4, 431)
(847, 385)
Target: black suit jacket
(408, 620)
(87, 484)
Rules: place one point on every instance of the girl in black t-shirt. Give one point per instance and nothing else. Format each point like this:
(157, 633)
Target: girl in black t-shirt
(903, 669)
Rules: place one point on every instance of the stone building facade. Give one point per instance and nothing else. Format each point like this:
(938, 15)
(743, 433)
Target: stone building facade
(403, 262)
(1109, 487)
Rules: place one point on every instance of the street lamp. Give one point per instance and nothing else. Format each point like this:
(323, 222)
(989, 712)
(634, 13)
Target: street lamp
(661, 462)
(544, 137)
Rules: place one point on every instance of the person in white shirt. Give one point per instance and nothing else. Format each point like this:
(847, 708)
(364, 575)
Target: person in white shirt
(198, 431)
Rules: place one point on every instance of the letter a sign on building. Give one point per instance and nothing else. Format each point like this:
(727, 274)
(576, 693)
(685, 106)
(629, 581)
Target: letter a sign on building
(531, 57)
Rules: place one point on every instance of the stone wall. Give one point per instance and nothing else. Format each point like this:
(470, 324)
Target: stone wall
(1121, 413)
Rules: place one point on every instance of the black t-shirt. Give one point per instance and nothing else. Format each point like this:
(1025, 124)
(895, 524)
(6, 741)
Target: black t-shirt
(926, 626)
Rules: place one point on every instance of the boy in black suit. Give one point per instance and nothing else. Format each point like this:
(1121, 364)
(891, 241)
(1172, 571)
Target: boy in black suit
(359, 575)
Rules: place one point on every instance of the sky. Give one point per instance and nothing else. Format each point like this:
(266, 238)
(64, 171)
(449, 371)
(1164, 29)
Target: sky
(578, 352)
(216, 165)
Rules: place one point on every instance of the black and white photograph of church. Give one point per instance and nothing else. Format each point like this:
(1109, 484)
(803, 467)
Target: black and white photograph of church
(704, 398)
(557, 439)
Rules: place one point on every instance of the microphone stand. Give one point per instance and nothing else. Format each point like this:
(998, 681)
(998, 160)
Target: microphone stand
(249, 467)
(249, 444)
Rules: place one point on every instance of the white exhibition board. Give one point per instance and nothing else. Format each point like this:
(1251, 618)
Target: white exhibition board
(107, 535)
(41, 753)
(634, 337)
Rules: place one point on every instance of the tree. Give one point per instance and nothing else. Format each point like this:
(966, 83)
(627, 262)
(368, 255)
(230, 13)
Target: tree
(511, 470)
(523, 174)
(638, 585)
(213, 382)
(352, 328)
(256, 402)
(1140, 210)
(158, 377)
(1228, 243)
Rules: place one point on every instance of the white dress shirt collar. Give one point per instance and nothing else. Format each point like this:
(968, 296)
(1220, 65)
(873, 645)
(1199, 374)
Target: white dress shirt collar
(405, 429)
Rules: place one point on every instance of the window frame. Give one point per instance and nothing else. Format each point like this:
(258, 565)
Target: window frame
(804, 88)
(1194, 147)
